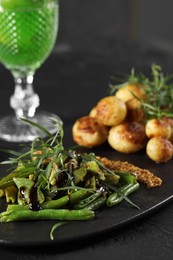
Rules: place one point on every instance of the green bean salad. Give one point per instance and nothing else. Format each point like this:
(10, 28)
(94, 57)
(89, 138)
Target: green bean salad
(50, 182)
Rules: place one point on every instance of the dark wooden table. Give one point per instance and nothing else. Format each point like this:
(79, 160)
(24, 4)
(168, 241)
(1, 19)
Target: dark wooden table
(70, 83)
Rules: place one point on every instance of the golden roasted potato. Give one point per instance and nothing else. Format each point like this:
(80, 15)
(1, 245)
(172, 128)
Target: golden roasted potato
(128, 94)
(159, 149)
(134, 111)
(170, 122)
(92, 113)
(128, 137)
(158, 127)
(89, 132)
(129, 91)
(110, 111)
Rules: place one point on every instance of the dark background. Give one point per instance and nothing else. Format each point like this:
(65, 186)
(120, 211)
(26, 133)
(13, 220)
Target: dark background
(147, 21)
(97, 39)
(97, 36)
(116, 35)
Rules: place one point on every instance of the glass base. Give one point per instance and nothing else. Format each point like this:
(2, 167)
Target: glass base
(15, 130)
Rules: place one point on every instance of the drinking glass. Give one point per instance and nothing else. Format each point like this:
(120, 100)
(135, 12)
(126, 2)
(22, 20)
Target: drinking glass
(28, 31)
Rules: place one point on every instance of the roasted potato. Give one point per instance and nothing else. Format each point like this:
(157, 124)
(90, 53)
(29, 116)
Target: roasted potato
(126, 115)
(110, 111)
(159, 149)
(93, 112)
(128, 137)
(128, 94)
(170, 122)
(135, 111)
(129, 91)
(89, 132)
(158, 127)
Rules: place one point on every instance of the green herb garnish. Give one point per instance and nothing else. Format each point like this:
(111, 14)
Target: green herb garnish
(57, 183)
(158, 90)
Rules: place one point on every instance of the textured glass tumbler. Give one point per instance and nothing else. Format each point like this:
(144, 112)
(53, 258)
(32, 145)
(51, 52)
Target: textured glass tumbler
(28, 31)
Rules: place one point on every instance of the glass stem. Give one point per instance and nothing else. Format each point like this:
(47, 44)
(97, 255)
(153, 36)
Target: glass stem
(24, 101)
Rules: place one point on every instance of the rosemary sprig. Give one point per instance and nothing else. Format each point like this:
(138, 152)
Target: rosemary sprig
(158, 88)
(132, 78)
(159, 92)
(26, 165)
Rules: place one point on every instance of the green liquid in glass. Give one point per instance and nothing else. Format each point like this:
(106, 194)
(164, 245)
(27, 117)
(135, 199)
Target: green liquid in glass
(27, 34)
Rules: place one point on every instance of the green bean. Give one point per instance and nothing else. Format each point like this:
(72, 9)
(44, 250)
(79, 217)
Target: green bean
(97, 203)
(127, 177)
(15, 207)
(11, 194)
(8, 180)
(116, 198)
(65, 200)
(2, 193)
(55, 204)
(85, 202)
(47, 214)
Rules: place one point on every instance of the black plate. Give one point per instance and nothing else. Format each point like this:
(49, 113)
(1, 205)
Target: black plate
(37, 232)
